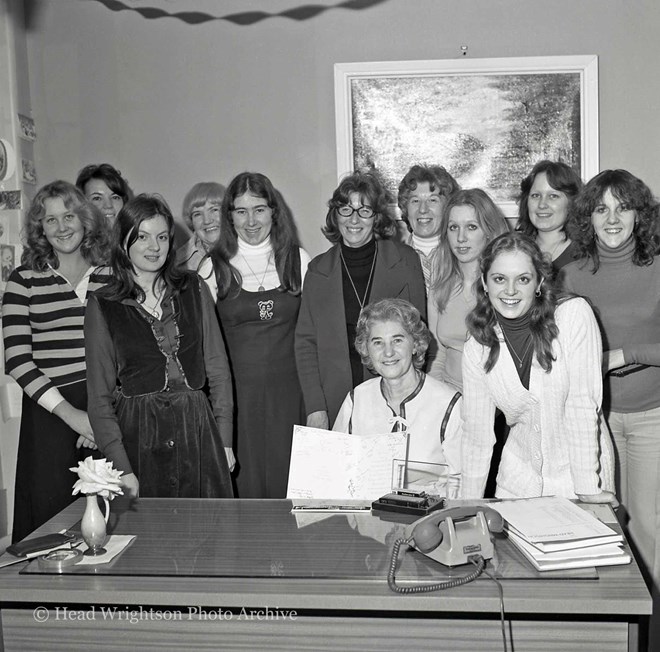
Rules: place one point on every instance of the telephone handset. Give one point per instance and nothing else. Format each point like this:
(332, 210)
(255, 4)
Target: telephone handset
(454, 536)
(450, 536)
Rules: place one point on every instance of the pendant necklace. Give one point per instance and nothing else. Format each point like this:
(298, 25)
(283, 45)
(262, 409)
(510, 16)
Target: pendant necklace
(261, 287)
(518, 359)
(154, 310)
(366, 291)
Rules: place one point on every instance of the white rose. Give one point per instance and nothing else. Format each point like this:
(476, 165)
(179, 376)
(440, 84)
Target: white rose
(97, 477)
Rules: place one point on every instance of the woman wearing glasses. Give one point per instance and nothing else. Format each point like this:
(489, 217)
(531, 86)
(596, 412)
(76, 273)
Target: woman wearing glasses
(257, 268)
(364, 265)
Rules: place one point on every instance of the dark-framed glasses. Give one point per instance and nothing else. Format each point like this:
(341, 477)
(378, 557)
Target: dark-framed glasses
(365, 212)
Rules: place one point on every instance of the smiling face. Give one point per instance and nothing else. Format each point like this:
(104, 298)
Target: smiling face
(390, 348)
(613, 221)
(149, 251)
(547, 207)
(511, 283)
(252, 217)
(465, 236)
(206, 223)
(355, 230)
(106, 200)
(62, 227)
(425, 210)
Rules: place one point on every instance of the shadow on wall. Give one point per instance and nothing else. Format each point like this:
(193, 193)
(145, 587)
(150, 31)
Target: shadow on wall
(245, 18)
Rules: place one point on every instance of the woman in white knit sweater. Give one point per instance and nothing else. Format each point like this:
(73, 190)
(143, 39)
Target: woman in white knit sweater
(537, 357)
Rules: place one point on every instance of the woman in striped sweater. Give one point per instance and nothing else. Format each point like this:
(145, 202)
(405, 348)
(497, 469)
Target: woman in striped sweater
(43, 310)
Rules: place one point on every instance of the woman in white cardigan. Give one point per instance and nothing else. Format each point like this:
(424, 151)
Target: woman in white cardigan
(536, 356)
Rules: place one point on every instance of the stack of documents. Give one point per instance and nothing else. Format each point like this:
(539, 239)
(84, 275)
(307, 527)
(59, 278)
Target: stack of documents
(553, 534)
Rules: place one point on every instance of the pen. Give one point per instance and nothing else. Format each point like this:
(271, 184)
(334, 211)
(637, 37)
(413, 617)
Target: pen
(338, 508)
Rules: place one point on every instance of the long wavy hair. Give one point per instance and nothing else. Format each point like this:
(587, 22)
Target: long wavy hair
(125, 233)
(38, 253)
(447, 276)
(560, 176)
(369, 186)
(482, 320)
(283, 235)
(397, 310)
(629, 190)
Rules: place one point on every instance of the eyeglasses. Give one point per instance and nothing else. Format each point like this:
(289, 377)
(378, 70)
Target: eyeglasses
(365, 212)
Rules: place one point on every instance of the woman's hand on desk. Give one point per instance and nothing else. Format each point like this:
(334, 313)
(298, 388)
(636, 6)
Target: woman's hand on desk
(602, 497)
(131, 485)
(318, 420)
(231, 459)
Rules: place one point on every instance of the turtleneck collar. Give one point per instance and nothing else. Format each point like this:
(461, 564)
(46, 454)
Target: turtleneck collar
(624, 253)
(254, 250)
(426, 245)
(358, 254)
(515, 325)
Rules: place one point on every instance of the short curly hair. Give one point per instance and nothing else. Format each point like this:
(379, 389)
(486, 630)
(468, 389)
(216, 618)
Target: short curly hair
(110, 175)
(629, 190)
(397, 310)
(436, 176)
(371, 189)
(38, 253)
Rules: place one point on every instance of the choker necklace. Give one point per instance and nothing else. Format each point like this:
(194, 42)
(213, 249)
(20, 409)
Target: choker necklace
(366, 291)
(261, 287)
(517, 359)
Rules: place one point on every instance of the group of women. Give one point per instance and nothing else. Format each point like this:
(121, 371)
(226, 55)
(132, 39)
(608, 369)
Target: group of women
(198, 362)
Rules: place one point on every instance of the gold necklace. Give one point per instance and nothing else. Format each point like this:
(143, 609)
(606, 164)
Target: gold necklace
(261, 287)
(366, 291)
(520, 360)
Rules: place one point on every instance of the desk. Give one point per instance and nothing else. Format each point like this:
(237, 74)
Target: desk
(268, 594)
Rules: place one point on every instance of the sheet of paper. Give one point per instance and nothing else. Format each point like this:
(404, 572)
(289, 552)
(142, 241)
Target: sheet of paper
(336, 466)
(551, 518)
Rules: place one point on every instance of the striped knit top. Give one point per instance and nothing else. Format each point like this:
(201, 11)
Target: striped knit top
(42, 327)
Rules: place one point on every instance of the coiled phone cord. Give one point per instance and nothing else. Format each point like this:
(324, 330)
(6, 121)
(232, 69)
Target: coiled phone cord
(479, 562)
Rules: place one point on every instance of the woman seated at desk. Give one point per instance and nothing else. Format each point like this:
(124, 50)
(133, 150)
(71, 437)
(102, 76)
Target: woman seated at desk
(392, 340)
(153, 343)
(535, 355)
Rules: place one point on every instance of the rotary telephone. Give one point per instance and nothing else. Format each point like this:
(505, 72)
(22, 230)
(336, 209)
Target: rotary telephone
(454, 536)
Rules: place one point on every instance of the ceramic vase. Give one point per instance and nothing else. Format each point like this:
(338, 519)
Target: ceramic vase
(93, 526)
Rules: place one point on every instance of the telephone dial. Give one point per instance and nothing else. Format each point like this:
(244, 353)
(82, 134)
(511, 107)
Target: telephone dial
(454, 536)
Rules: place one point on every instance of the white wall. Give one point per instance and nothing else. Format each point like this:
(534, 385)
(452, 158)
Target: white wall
(171, 104)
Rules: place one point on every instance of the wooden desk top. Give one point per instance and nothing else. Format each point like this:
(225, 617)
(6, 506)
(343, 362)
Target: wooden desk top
(247, 553)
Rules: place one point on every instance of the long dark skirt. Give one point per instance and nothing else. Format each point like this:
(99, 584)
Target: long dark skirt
(174, 446)
(46, 451)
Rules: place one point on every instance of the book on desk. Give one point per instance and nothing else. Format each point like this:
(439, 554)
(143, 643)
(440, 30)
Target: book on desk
(554, 533)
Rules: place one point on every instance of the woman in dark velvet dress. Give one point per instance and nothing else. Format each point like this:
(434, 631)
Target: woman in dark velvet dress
(259, 267)
(153, 343)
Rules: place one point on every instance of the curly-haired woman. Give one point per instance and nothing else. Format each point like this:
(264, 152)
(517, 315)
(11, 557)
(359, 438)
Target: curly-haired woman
(43, 310)
(392, 340)
(364, 265)
(614, 226)
(536, 356)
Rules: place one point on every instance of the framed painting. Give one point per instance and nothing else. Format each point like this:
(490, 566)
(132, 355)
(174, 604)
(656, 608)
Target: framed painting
(487, 121)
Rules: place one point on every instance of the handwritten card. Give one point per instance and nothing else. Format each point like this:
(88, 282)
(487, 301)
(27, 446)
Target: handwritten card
(337, 466)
